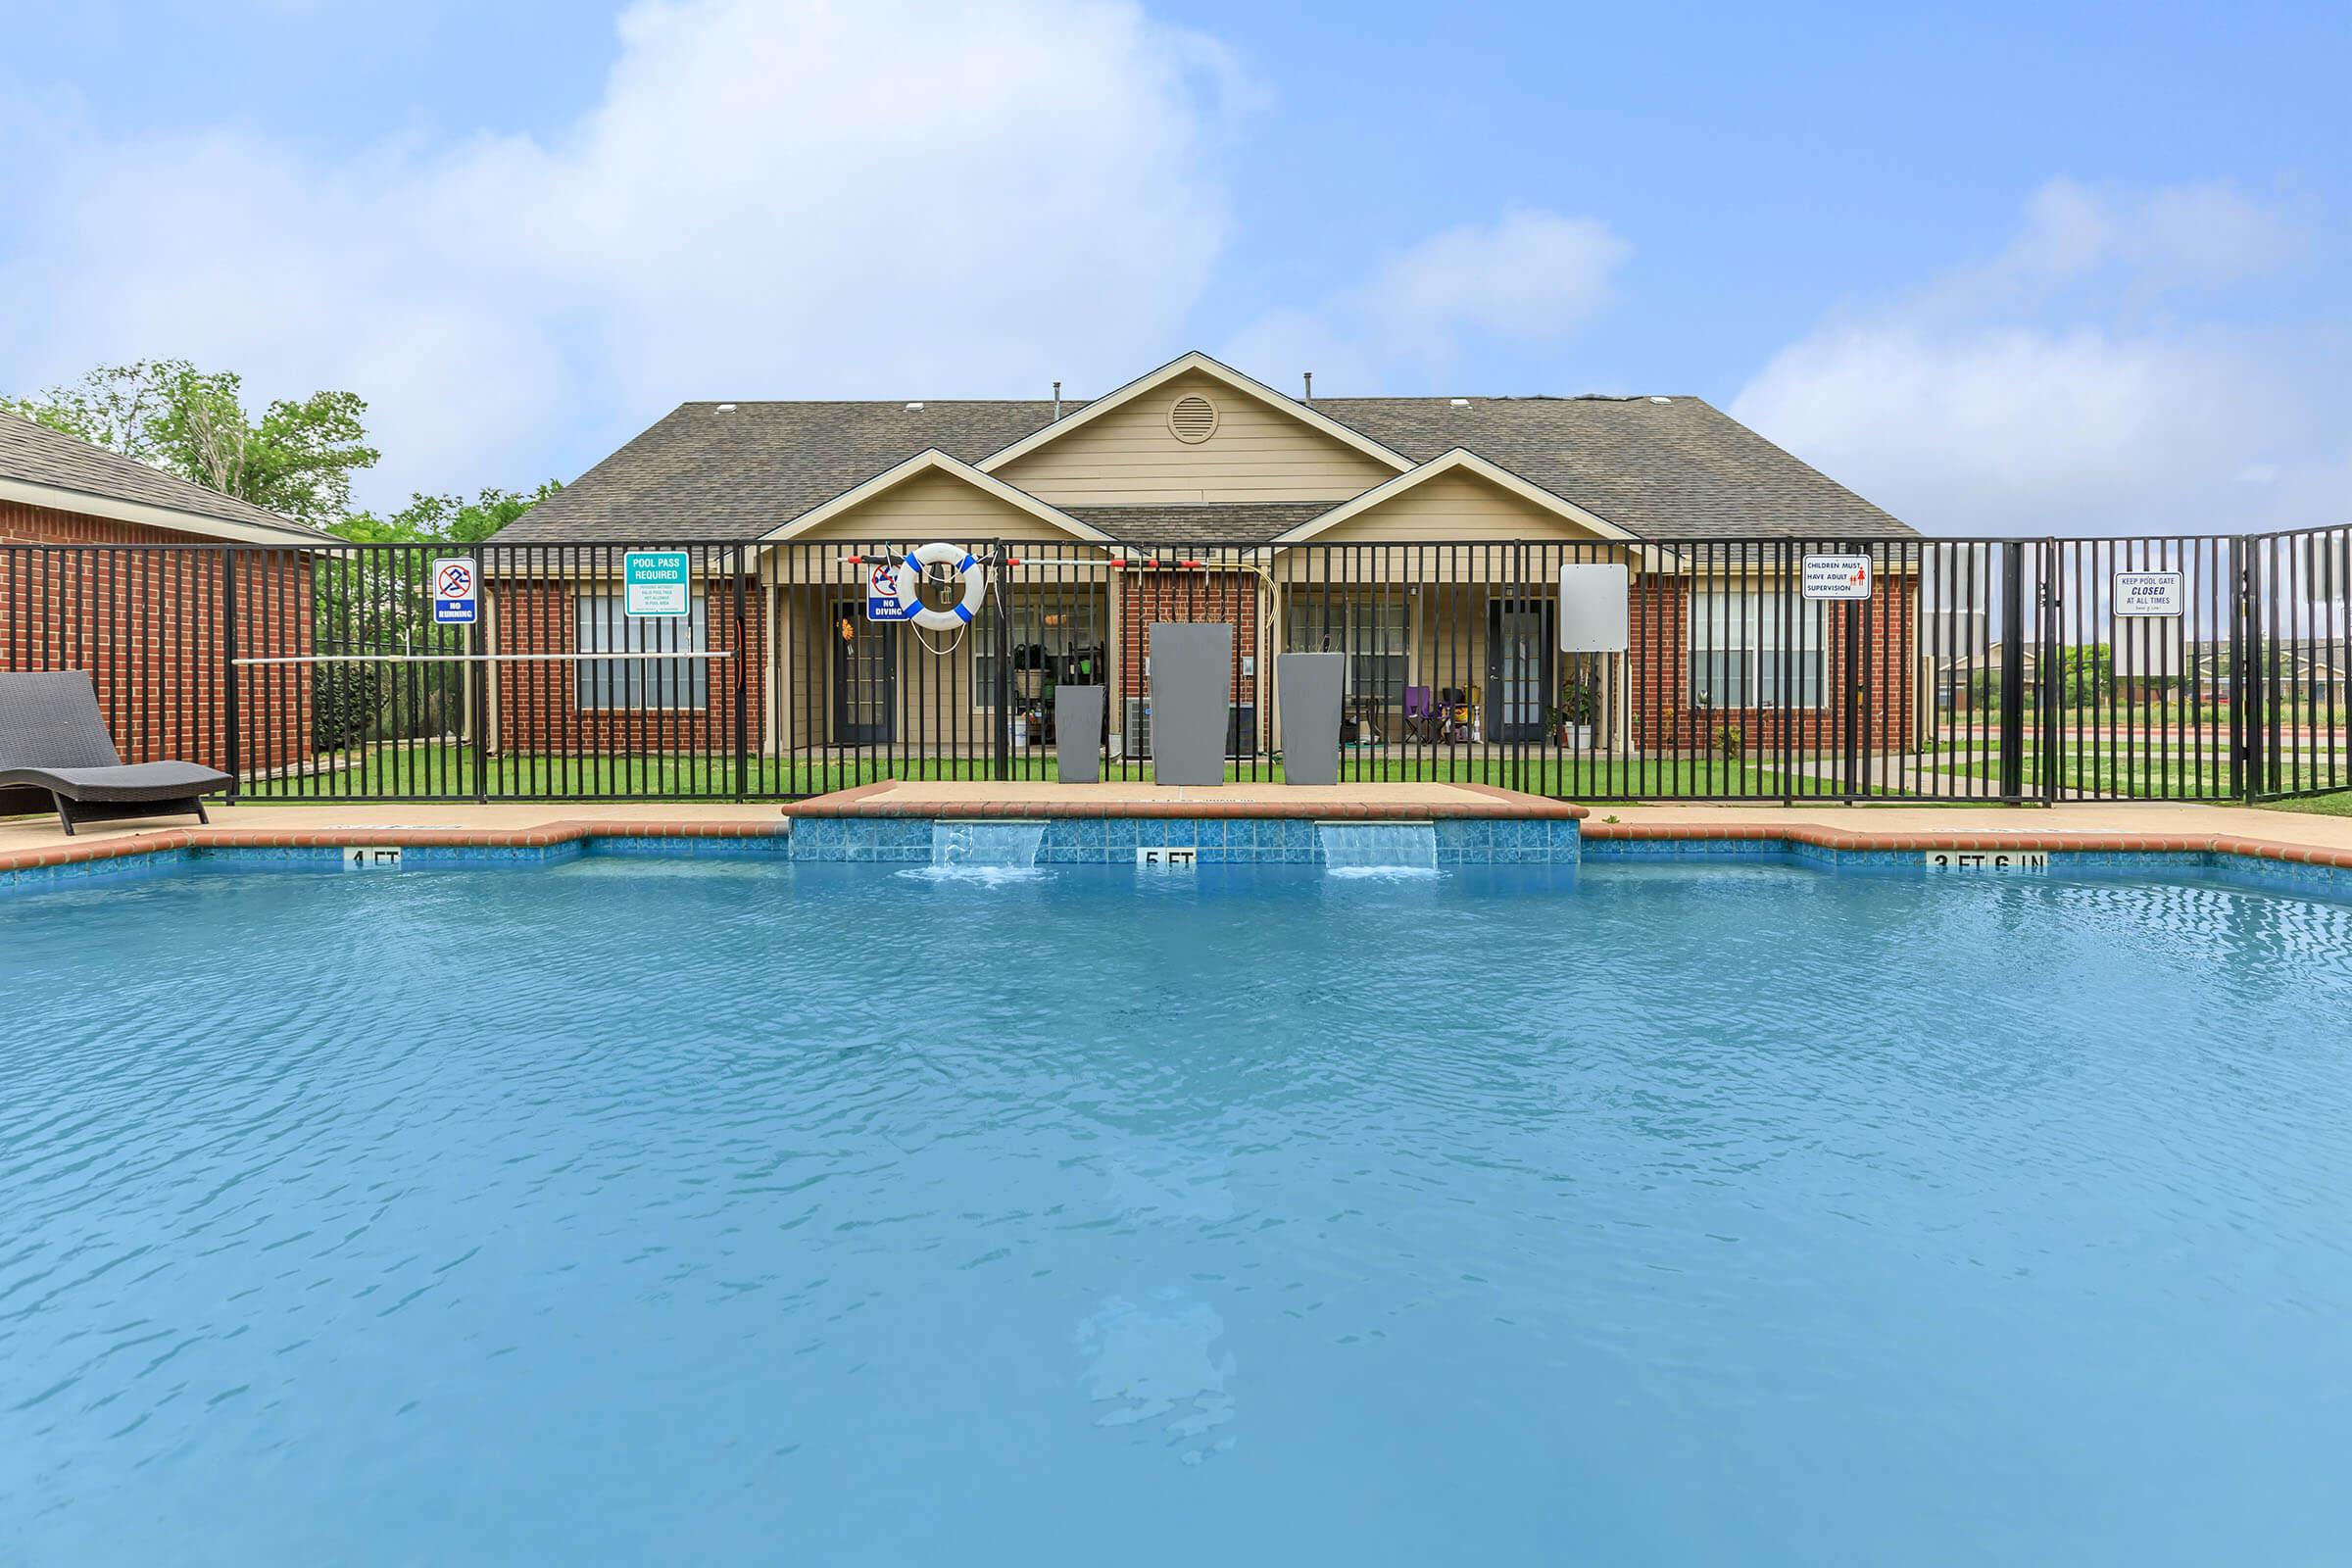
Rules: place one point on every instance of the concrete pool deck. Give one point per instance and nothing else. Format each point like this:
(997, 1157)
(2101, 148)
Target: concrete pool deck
(38, 841)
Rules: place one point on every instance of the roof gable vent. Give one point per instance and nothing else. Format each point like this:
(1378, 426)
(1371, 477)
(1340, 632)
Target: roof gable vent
(1191, 418)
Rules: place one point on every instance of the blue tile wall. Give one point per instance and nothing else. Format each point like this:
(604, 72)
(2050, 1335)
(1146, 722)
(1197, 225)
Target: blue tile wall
(1216, 840)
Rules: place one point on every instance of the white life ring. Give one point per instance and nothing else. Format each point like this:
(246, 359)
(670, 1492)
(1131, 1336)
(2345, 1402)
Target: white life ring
(975, 585)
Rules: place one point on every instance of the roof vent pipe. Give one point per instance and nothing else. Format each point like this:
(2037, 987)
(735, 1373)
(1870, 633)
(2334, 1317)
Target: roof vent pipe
(1310, 387)
(1057, 400)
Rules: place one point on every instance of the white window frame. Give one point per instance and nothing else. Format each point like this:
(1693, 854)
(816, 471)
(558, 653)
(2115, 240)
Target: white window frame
(643, 650)
(1349, 614)
(1757, 627)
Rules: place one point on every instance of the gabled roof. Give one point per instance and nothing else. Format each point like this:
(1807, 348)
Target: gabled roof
(43, 467)
(1658, 468)
(1195, 363)
(933, 460)
(1458, 461)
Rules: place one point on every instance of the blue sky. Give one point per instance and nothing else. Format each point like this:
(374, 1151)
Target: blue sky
(2003, 270)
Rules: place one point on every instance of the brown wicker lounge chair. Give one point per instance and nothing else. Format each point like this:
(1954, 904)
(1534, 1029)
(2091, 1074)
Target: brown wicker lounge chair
(53, 738)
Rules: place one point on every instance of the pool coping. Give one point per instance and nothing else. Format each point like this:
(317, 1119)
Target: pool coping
(2026, 840)
(164, 846)
(887, 798)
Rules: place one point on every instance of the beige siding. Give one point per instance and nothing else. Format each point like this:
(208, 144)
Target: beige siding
(931, 506)
(1259, 453)
(1452, 506)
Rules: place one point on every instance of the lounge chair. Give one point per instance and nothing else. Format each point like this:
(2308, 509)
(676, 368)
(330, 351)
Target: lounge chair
(53, 738)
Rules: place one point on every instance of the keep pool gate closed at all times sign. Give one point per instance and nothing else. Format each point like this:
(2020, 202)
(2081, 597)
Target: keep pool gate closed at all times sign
(2147, 593)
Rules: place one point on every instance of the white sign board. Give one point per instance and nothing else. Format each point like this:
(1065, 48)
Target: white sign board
(2149, 593)
(2148, 647)
(371, 857)
(1837, 576)
(657, 582)
(1592, 618)
(454, 597)
(1166, 860)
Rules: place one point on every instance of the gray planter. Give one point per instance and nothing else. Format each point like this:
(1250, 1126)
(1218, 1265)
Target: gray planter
(1192, 693)
(1312, 688)
(1078, 733)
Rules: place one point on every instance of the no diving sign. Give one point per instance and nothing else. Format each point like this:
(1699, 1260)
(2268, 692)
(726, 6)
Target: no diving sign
(454, 599)
(890, 591)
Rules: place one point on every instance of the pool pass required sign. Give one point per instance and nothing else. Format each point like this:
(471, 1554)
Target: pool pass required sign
(655, 583)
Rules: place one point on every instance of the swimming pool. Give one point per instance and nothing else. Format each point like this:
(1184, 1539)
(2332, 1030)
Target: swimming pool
(630, 1211)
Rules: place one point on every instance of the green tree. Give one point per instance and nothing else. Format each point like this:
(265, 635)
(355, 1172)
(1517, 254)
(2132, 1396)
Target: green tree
(296, 460)
(449, 519)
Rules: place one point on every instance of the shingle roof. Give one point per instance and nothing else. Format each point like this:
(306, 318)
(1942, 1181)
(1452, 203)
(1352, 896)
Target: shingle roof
(34, 454)
(1663, 468)
(703, 474)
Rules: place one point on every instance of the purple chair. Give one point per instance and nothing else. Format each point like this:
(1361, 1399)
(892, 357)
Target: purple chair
(1420, 714)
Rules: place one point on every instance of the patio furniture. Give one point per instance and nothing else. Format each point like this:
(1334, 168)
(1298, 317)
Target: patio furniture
(1420, 714)
(53, 738)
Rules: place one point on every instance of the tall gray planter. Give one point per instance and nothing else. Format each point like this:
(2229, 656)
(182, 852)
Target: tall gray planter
(1078, 733)
(1312, 688)
(1191, 693)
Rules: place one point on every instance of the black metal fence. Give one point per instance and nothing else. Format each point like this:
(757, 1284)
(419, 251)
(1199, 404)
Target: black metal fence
(2179, 668)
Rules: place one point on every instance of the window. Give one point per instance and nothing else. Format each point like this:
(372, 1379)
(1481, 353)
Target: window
(1757, 650)
(1049, 642)
(642, 681)
(1375, 635)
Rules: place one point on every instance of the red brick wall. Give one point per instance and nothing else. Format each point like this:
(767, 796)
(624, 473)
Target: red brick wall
(1186, 596)
(1665, 719)
(146, 625)
(537, 703)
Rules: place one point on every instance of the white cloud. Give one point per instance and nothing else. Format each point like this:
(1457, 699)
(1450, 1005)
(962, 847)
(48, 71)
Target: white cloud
(883, 198)
(2058, 389)
(1533, 276)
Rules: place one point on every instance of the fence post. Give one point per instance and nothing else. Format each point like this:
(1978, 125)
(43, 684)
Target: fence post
(2245, 658)
(1001, 749)
(743, 753)
(477, 679)
(2013, 672)
(228, 665)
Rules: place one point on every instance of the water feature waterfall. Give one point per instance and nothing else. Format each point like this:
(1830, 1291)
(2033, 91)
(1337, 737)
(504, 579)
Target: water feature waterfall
(1364, 849)
(991, 845)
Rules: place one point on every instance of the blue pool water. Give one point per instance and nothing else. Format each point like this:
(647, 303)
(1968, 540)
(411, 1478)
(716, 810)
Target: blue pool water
(633, 1212)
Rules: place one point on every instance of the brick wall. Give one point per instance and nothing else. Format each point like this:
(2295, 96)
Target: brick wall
(538, 703)
(146, 624)
(1665, 719)
(1186, 596)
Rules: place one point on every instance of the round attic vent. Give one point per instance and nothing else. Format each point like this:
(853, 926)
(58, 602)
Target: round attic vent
(1193, 419)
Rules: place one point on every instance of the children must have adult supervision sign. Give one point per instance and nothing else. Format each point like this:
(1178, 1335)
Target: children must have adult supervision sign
(657, 582)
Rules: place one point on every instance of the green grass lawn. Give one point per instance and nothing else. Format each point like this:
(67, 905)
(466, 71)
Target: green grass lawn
(446, 772)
